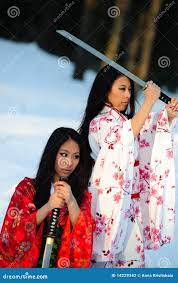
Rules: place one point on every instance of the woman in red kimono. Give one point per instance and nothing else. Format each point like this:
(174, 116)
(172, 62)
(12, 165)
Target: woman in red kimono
(26, 222)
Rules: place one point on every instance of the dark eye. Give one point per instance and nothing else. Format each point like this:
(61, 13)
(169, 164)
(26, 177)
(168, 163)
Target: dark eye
(77, 156)
(63, 154)
(122, 88)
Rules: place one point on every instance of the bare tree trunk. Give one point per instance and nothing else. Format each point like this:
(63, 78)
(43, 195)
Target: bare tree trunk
(134, 43)
(148, 39)
(118, 13)
(86, 23)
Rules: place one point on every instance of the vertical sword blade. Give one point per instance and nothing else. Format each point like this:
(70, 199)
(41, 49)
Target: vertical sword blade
(47, 252)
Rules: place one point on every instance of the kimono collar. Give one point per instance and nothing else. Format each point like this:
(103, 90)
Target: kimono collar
(113, 111)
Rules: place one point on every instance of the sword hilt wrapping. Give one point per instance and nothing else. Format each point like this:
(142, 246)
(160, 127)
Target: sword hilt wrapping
(53, 223)
(163, 97)
(55, 216)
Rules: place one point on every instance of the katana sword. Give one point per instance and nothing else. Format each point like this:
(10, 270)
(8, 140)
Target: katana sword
(110, 62)
(50, 238)
(51, 234)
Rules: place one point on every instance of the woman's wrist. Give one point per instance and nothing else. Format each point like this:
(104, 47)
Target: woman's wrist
(74, 210)
(42, 213)
(47, 207)
(148, 102)
(71, 202)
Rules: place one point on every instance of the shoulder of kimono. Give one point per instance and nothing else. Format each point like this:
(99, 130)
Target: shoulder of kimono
(26, 187)
(102, 118)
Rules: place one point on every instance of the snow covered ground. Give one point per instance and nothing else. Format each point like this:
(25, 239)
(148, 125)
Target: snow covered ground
(37, 95)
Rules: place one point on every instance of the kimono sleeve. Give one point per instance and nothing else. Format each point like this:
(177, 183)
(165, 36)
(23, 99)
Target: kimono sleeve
(6, 197)
(76, 243)
(19, 230)
(157, 180)
(111, 184)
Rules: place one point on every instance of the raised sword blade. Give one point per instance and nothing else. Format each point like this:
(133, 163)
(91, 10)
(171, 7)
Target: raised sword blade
(163, 97)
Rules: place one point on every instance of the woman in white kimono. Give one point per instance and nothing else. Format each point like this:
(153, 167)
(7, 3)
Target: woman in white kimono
(133, 176)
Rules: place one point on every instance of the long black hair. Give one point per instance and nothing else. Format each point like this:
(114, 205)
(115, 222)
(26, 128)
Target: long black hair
(99, 96)
(78, 180)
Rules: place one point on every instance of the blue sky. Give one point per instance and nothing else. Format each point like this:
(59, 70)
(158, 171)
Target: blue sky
(38, 95)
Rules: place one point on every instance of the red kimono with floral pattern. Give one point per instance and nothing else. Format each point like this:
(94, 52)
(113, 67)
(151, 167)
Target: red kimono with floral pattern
(21, 238)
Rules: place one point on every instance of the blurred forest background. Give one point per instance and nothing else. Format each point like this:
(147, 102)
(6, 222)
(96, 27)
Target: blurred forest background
(141, 35)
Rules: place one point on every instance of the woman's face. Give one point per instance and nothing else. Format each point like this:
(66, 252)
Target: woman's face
(120, 93)
(67, 158)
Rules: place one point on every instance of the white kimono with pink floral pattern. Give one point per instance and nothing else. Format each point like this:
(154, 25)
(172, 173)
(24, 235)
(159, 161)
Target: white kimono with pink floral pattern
(126, 166)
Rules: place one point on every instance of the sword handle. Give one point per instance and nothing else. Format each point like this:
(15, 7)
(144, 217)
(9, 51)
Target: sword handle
(53, 223)
(165, 98)
(54, 217)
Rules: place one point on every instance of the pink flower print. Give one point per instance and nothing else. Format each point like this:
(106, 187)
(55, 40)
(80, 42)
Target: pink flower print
(142, 187)
(167, 172)
(153, 177)
(138, 249)
(153, 191)
(113, 136)
(93, 122)
(169, 153)
(121, 179)
(163, 123)
(146, 233)
(98, 230)
(97, 182)
(149, 117)
(115, 176)
(160, 200)
(99, 223)
(100, 191)
(155, 234)
(115, 165)
(144, 143)
(107, 231)
(137, 210)
(154, 127)
(93, 126)
(144, 174)
(143, 256)
(93, 130)
(117, 197)
(104, 119)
